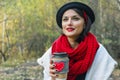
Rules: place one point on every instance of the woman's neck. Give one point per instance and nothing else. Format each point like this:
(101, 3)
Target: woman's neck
(72, 43)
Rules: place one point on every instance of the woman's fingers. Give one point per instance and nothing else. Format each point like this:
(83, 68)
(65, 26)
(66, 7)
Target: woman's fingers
(52, 73)
(52, 66)
(51, 61)
(52, 70)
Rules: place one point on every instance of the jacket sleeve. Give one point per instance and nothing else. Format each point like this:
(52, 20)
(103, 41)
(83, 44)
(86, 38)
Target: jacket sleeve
(102, 66)
(44, 61)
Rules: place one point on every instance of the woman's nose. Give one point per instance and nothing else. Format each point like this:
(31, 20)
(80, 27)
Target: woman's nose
(69, 22)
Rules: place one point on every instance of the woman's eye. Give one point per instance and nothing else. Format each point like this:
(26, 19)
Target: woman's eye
(76, 18)
(64, 19)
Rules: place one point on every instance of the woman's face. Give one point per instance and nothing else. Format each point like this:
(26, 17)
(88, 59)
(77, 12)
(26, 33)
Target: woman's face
(72, 24)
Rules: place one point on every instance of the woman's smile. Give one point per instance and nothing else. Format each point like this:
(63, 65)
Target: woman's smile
(70, 29)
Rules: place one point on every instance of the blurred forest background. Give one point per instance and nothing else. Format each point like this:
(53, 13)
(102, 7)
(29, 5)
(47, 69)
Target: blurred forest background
(28, 27)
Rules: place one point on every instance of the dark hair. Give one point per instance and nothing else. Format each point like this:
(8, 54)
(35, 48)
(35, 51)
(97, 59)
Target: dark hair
(87, 26)
(83, 8)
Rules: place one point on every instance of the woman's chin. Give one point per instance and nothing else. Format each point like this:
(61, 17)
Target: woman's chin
(70, 35)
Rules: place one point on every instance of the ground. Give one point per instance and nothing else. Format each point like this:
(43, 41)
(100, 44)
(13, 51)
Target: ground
(32, 71)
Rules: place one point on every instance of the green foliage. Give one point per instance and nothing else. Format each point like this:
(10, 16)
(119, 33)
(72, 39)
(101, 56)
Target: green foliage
(30, 27)
(107, 24)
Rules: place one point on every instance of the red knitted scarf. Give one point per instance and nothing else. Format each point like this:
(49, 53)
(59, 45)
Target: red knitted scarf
(81, 58)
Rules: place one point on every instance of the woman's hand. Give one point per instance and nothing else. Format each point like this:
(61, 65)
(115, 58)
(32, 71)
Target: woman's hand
(52, 70)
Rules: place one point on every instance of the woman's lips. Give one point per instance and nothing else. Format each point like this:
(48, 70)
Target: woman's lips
(70, 29)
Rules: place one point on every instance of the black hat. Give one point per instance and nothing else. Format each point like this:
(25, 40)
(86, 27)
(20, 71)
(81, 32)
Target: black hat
(77, 5)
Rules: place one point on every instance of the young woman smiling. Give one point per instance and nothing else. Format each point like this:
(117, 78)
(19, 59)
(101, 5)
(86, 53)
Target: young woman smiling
(88, 59)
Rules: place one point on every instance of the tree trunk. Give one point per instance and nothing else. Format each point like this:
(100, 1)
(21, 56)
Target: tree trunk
(3, 56)
(3, 39)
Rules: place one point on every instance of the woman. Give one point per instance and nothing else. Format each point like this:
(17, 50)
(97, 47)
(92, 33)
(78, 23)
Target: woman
(89, 60)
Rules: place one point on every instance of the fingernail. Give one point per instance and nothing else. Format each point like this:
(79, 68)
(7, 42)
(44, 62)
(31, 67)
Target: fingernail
(53, 65)
(56, 75)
